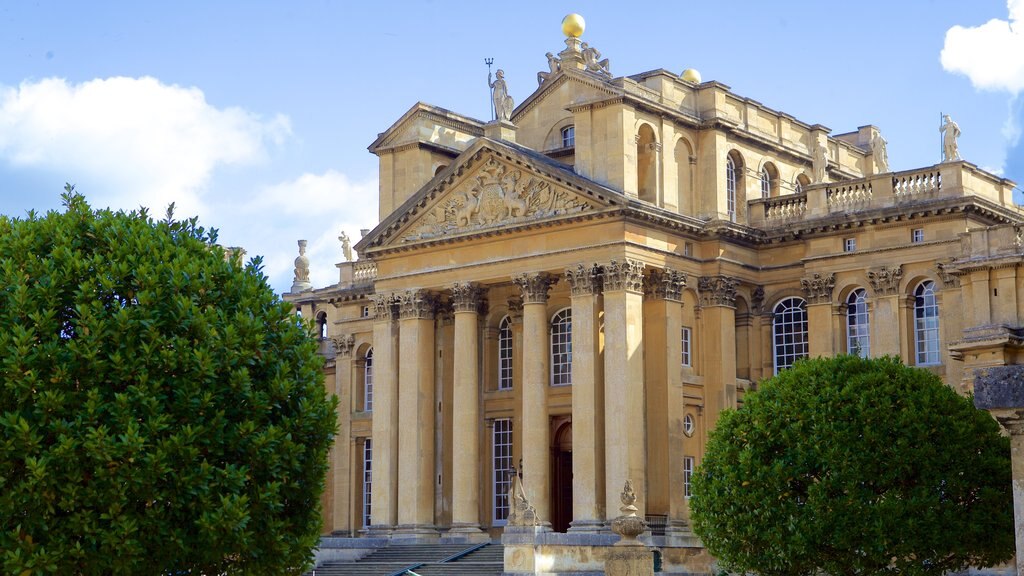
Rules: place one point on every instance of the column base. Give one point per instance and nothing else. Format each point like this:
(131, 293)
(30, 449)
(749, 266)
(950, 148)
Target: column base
(377, 531)
(586, 526)
(465, 533)
(415, 534)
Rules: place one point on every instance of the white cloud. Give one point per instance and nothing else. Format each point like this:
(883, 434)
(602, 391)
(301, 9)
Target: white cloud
(991, 55)
(136, 141)
(313, 207)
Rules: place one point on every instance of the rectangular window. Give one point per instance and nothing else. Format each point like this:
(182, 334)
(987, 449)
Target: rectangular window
(501, 459)
(849, 244)
(686, 346)
(687, 474)
(568, 137)
(505, 355)
(367, 479)
(917, 235)
(365, 312)
(688, 249)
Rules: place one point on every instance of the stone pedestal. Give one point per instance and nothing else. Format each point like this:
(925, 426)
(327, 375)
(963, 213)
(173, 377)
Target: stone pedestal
(629, 561)
(1000, 390)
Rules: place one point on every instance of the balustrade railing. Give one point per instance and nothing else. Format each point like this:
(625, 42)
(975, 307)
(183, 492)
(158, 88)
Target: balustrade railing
(785, 207)
(905, 184)
(364, 272)
(847, 195)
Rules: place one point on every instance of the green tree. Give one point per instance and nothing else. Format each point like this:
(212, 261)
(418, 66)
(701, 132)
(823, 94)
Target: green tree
(161, 410)
(854, 466)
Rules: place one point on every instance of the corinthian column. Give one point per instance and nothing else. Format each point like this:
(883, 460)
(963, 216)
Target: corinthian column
(818, 292)
(536, 428)
(384, 489)
(624, 437)
(587, 515)
(416, 417)
(466, 415)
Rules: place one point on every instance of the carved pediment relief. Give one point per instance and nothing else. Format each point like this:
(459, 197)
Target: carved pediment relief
(494, 195)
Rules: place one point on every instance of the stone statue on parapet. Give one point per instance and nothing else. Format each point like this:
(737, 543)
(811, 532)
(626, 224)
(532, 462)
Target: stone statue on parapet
(520, 511)
(879, 153)
(301, 280)
(346, 246)
(820, 164)
(594, 63)
(950, 132)
(499, 96)
(554, 65)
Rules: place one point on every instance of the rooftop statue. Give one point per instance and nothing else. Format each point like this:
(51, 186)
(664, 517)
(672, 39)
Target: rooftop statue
(820, 165)
(592, 59)
(499, 95)
(346, 246)
(879, 153)
(950, 132)
(554, 65)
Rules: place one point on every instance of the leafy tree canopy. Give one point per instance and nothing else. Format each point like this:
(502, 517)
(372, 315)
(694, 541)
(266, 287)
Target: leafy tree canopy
(161, 410)
(858, 467)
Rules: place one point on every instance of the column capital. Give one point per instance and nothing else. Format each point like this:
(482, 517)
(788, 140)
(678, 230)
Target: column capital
(949, 278)
(717, 290)
(515, 310)
(665, 284)
(626, 275)
(343, 344)
(583, 280)
(467, 297)
(818, 288)
(535, 287)
(385, 306)
(885, 281)
(417, 304)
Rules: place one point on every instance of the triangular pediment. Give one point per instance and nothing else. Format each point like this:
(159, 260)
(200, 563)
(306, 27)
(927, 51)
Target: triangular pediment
(431, 124)
(580, 86)
(492, 187)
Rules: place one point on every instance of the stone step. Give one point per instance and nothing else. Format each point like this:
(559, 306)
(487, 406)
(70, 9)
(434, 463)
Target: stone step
(461, 569)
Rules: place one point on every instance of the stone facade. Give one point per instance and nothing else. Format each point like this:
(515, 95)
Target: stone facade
(574, 295)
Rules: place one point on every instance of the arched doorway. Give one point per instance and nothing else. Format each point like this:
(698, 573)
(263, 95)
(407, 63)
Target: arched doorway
(561, 485)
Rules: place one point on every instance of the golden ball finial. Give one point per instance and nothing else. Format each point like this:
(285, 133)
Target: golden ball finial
(691, 75)
(573, 25)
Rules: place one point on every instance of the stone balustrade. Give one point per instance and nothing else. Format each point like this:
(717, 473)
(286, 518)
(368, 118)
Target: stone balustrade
(917, 182)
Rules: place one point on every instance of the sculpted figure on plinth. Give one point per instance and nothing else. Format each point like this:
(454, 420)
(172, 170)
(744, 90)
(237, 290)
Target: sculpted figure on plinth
(554, 65)
(950, 132)
(820, 165)
(879, 153)
(499, 95)
(594, 63)
(520, 511)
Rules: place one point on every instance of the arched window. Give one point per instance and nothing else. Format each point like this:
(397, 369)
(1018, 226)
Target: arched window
(858, 343)
(646, 164)
(801, 181)
(568, 136)
(561, 348)
(789, 332)
(321, 325)
(766, 183)
(505, 354)
(730, 188)
(926, 324)
(368, 382)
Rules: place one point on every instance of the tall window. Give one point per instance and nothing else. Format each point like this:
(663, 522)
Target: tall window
(561, 348)
(367, 479)
(789, 332)
(368, 382)
(505, 354)
(687, 474)
(501, 463)
(568, 136)
(321, 324)
(766, 183)
(730, 188)
(926, 324)
(686, 346)
(858, 342)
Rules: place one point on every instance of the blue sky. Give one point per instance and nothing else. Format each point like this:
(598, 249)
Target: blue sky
(255, 116)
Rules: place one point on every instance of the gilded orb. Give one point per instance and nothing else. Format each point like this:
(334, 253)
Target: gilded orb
(573, 25)
(691, 75)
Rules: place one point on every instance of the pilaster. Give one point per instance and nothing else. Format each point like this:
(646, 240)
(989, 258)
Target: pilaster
(885, 287)
(341, 474)
(818, 293)
(384, 424)
(624, 435)
(718, 315)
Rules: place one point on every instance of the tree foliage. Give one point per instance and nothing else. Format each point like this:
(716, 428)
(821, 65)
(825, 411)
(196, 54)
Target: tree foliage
(855, 466)
(161, 410)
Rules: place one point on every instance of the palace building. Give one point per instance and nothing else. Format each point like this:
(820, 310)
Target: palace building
(573, 292)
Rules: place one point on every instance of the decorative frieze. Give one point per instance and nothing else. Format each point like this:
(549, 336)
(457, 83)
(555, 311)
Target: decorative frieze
(467, 297)
(535, 287)
(343, 344)
(583, 280)
(666, 284)
(818, 288)
(885, 281)
(717, 290)
(385, 306)
(417, 304)
(627, 275)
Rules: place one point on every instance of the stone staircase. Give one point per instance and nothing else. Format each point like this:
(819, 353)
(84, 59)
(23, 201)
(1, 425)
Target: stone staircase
(422, 559)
